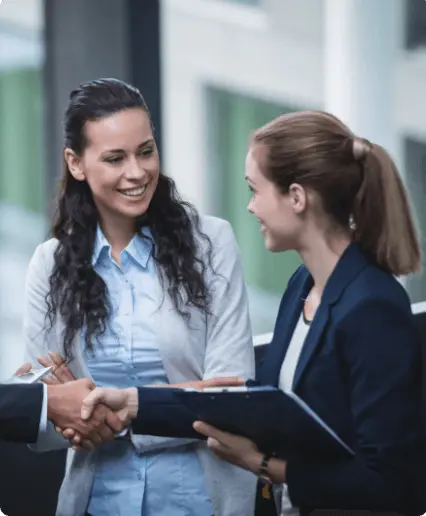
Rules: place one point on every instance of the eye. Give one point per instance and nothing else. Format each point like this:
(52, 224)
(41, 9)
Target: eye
(113, 160)
(251, 190)
(147, 151)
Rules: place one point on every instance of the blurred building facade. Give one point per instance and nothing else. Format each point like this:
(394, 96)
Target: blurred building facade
(221, 69)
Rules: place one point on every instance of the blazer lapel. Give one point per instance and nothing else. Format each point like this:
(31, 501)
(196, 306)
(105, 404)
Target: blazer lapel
(352, 262)
(312, 340)
(290, 311)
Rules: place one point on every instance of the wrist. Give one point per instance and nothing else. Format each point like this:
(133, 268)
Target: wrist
(132, 402)
(253, 462)
(53, 399)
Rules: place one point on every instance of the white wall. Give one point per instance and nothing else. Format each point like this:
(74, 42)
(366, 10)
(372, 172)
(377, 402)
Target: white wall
(274, 53)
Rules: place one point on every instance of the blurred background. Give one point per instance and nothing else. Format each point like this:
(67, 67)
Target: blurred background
(211, 72)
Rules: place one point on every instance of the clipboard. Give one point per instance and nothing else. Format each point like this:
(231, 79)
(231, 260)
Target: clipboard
(33, 376)
(278, 422)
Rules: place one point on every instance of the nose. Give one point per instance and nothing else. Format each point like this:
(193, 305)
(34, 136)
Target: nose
(135, 170)
(250, 206)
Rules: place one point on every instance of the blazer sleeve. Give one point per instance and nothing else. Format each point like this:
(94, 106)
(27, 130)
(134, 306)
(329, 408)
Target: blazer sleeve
(229, 346)
(381, 352)
(20, 412)
(37, 336)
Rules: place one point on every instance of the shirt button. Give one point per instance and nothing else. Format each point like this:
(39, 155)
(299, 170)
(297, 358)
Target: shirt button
(139, 476)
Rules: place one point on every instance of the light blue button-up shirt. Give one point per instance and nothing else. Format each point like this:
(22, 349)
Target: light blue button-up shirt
(127, 481)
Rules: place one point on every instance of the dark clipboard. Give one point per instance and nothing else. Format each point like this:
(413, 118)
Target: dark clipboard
(276, 421)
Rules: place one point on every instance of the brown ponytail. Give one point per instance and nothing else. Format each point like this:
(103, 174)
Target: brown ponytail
(383, 218)
(357, 183)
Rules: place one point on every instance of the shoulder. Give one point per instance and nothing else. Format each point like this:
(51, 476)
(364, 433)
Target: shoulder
(377, 290)
(218, 230)
(375, 311)
(43, 255)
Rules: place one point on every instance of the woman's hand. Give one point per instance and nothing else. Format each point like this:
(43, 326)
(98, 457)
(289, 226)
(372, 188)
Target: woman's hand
(60, 372)
(241, 452)
(233, 448)
(221, 381)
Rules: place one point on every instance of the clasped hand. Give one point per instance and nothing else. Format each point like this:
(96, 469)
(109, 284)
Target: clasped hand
(87, 415)
(65, 402)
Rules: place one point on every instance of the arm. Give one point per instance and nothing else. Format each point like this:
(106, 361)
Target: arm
(229, 349)
(20, 412)
(36, 336)
(381, 352)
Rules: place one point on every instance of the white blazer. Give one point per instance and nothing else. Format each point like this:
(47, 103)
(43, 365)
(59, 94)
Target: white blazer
(219, 346)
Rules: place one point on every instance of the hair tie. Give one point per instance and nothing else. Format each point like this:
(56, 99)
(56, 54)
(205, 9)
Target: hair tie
(360, 148)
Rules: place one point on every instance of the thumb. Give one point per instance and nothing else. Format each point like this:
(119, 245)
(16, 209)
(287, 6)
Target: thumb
(90, 402)
(25, 368)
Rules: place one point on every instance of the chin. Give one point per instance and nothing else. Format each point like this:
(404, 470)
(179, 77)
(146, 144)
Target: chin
(273, 245)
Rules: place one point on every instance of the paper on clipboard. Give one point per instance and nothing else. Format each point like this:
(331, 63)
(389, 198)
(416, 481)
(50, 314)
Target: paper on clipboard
(33, 376)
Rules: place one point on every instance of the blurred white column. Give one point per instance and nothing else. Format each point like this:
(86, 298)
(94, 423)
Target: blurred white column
(362, 40)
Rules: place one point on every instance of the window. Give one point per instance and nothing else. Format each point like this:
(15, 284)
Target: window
(415, 166)
(22, 178)
(232, 117)
(415, 24)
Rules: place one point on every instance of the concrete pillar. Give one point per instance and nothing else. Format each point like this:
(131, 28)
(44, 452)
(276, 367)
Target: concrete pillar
(362, 39)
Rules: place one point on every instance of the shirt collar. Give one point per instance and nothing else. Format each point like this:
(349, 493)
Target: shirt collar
(140, 247)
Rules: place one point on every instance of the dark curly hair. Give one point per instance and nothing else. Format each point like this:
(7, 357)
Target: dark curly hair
(77, 293)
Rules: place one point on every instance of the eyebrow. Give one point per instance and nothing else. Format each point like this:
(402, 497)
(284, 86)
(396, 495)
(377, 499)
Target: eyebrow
(146, 142)
(249, 180)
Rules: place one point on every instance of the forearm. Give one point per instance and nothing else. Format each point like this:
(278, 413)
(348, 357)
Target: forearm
(160, 413)
(48, 438)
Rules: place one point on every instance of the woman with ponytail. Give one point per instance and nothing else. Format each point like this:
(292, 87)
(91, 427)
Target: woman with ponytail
(135, 288)
(345, 339)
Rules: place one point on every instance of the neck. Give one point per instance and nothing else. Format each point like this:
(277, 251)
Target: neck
(118, 233)
(320, 256)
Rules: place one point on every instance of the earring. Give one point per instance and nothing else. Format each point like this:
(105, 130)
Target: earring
(352, 224)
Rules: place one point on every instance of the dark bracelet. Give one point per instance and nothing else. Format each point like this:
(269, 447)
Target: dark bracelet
(263, 470)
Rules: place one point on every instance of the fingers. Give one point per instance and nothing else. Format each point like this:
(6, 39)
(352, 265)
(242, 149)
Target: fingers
(213, 444)
(224, 381)
(44, 361)
(50, 381)
(209, 431)
(114, 421)
(90, 402)
(71, 435)
(61, 371)
(25, 368)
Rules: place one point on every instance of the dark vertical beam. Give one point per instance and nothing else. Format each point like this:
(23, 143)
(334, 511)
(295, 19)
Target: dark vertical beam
(84, 40)
(145, 55)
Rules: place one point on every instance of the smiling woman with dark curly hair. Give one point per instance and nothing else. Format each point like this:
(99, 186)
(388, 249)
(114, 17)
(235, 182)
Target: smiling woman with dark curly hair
(135, 288)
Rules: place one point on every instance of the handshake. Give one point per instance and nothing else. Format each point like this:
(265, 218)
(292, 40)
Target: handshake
(87, 415)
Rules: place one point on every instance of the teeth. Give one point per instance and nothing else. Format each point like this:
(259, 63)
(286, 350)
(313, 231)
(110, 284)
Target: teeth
(135, 192)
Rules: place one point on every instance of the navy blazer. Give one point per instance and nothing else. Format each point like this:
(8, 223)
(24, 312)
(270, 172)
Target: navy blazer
(20, 411)
(360, 370)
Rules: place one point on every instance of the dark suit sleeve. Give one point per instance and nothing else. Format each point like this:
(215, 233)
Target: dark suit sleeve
(380, 352)
(20, 412)
(161, 413)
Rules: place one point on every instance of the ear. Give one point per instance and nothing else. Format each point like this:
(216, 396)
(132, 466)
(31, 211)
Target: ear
(298, 198)
(74, 164)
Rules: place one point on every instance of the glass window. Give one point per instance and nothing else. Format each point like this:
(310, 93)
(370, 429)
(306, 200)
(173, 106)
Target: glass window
(21, 158)
(232, 117)
(415, 166)
(22, 178)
